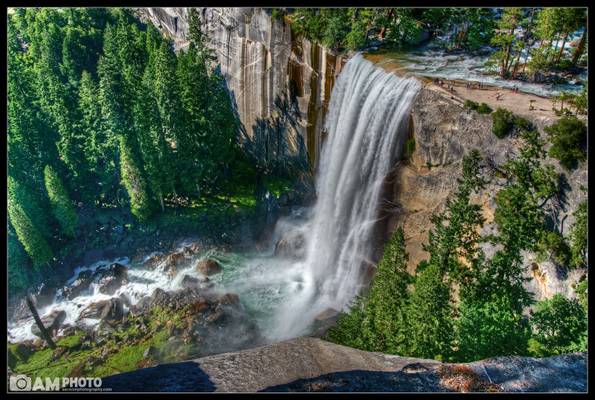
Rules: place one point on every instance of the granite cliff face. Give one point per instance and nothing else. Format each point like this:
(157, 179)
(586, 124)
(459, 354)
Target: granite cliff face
(263, 64)
(444, 131)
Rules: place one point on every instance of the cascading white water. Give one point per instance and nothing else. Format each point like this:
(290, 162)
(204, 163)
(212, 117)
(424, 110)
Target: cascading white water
(366, 125)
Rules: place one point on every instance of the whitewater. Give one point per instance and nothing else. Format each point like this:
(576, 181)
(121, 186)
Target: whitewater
(367, 125)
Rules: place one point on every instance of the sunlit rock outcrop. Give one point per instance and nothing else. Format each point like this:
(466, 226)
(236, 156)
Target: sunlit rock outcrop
(263, 63)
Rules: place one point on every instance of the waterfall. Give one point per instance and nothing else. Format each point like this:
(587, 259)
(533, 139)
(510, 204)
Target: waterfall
(366, 124)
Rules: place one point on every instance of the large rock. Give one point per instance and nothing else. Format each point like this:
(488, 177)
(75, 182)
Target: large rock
(309, 364)
(111, 310)
(79, 286)
(52, 323)
(290, 247)
(172, 263)
(324, 321)
(152, 261)
(111, 278)
(208, 267)
(93, 310)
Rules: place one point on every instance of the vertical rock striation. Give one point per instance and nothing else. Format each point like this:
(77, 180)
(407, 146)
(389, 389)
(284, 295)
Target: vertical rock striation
(262, 62)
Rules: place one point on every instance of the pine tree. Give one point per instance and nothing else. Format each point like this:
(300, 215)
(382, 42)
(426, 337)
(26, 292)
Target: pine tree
(384, 324)
(33, 206)
(29, 235)
(20, 274)
(100, 144)
(174, 119)
(62, 206)
(153, 147)
(31, 142)
(133, 178)
(376, 321)
(430, 316)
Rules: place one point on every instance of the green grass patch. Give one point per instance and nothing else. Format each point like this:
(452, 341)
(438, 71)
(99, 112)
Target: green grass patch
(126, 346)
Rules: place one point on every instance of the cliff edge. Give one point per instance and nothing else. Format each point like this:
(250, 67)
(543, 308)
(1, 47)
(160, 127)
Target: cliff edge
(310, 364)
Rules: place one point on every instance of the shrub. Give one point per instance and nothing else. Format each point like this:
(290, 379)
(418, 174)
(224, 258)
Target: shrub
(520, 124)
(552, 244)
(559, 326)
(502, 122)
(568, 137)
(470, 104)
(578, 236)
(409, 148)
(484, 109)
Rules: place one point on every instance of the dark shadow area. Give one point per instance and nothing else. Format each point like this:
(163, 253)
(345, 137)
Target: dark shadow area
(564, 373)
(422, 380)
(178, 377)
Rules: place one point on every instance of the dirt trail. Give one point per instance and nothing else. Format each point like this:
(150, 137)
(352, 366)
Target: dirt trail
(527, 105)
(524, 104)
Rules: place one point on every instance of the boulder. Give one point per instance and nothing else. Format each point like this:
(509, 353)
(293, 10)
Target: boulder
(52, 322)
(80, 284)
(113, 311)
(93, 310)
(200, 305)
(208, 267)
(159, 297)
(324, 321)
(174, 259)
(153, 261)
(191, 249)
(111, 278)
(216, 316)
(44, 296)
(229, 299)
(190, 282)
(290, 247)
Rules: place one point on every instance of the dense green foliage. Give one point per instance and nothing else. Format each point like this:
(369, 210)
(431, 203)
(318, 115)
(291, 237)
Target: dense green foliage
(578, 236)
(569, 141)
(25, 225)
(62, 206)
(462, 305)
(382, 327)
(102, 113)
(559, 326)
(482, 108)
(502, 122)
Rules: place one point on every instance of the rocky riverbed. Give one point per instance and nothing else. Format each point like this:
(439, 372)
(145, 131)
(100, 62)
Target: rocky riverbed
(128, 314)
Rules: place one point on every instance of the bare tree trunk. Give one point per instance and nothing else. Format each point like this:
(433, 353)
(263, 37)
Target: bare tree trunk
(562, 47)
(580, 48)
(555, 46)
(526, 38)
(46, 335)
